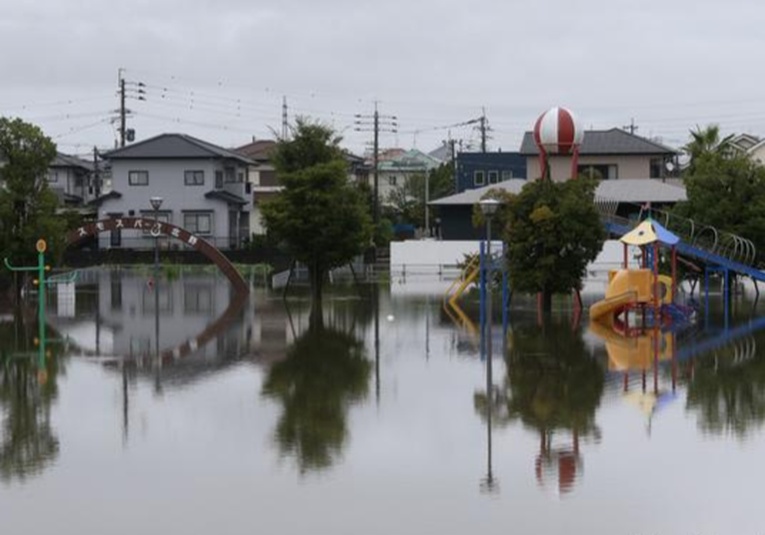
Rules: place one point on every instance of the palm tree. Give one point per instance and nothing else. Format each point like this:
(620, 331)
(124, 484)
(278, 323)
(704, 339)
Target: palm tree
(707, 142)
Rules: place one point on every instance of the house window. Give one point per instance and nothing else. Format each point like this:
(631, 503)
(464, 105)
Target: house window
(194, 178)
(230, 175)
(392, 180)
(197, 299)
(493, 177)
(656, 168)
(507, 174)
(218, 179)
(598, 172)
(53, 176)
(163, 217)
(479, 179)
(138, 178)
(198, 222)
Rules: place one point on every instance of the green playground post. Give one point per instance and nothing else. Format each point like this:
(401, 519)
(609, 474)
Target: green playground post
(41, 246)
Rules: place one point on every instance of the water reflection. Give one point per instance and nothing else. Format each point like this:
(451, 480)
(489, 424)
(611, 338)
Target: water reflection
(28, 388)
(727, 386)
(553, 387)
(325, 372)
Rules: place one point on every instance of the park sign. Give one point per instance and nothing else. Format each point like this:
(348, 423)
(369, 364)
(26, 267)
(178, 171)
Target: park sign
(161, 228)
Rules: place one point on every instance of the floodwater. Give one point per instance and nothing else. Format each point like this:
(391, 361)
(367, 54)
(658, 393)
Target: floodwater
(378, 422)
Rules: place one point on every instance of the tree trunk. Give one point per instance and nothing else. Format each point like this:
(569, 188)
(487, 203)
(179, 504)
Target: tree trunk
(316, 317)
(546, 301)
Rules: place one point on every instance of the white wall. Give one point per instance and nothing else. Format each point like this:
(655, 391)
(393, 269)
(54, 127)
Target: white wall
(431, 253)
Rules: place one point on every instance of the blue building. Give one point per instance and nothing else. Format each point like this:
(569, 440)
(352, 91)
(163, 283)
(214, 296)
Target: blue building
(478, 169)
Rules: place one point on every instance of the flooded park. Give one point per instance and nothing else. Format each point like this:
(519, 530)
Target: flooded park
(177, 406)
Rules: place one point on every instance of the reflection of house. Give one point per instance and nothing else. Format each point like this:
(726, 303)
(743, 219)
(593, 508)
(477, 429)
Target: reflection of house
(204, 189)
(478, 169)
(607, 155)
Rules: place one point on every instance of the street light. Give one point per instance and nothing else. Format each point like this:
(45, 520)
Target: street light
(489, 207)
(156, 203)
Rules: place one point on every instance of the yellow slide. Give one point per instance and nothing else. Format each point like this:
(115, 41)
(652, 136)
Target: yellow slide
(606, 307)
(630, 285)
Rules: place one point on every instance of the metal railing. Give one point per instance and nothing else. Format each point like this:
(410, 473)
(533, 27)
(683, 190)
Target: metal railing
(704, 237)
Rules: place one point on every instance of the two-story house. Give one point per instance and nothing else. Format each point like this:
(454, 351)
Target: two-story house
(606, 155)
(262, 176)
(70, 178)
(203, 188)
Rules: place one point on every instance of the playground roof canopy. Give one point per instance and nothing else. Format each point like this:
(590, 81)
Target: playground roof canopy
(649, 231)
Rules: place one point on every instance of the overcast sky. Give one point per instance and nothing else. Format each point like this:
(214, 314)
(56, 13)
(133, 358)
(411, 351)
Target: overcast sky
(219, 69)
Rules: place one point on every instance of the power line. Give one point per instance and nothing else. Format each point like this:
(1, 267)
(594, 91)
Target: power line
(379, 123)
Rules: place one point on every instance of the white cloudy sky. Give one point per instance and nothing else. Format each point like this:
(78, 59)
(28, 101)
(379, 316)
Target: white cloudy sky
(218, 69)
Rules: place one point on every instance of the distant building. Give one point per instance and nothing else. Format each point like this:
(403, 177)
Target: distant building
(204, 189)
(606, 155)
(456, 211)
(478, 169)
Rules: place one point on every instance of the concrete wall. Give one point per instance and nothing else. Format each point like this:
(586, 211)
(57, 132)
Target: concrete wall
(421, 254)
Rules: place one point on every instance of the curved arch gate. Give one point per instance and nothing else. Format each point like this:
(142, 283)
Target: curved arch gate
(160, 228)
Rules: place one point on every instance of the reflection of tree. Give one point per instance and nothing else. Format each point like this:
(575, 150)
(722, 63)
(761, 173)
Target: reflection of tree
(552, 385)
(728, 395)
(27, 441)
(325, 371)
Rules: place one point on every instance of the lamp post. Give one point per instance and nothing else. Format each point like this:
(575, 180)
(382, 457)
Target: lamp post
(156, 203)
(489, 208)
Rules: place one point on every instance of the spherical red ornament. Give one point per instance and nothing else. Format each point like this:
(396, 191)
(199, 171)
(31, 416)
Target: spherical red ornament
(557, 131)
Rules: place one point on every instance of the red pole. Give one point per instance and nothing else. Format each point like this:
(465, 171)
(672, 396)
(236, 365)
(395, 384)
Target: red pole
(575, 162)
(656, 280)
(543, 162)
(674, 272)
(625, 257)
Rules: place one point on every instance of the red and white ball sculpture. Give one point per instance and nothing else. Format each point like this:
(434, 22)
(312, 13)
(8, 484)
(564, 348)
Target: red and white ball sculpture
(557, 131)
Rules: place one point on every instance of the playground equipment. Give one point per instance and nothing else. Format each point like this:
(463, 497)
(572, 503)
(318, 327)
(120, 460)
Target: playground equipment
(644, 291)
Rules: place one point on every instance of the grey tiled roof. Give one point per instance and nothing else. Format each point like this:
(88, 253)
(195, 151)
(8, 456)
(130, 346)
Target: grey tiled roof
(65, 160)
(633, 190)
(174, 146)
(614, 141)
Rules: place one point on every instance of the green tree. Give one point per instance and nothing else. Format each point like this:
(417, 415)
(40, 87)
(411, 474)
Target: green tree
(27, 205)
(325, 372)
(28, 442)
(321, 218)
(725, 189)
(552, 231)
(727, 394)
(407, 201)
(706, 142)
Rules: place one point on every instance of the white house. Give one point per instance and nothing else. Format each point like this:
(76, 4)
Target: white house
(203, 188)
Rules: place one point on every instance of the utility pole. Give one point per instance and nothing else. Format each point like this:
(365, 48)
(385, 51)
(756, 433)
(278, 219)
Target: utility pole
(134, 90)
(384, 123)
(453, 151)
(123, 111)
(632, 127)
(484, 128)
(96, 175)
(285, 122)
